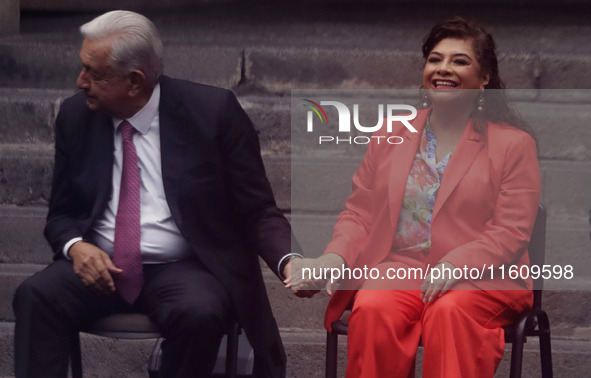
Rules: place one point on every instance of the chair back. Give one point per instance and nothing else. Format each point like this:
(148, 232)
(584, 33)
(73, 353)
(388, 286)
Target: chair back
(537, 252)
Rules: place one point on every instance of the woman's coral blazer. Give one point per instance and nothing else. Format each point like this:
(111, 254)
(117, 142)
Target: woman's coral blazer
(483, 214)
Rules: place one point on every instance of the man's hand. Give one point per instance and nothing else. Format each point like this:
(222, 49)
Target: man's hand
(93, 266)
(430, 291)
(287, 271)
(308, 286)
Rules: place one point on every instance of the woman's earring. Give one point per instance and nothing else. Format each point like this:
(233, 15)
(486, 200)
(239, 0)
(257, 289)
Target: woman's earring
(426, 102)
(480, 102)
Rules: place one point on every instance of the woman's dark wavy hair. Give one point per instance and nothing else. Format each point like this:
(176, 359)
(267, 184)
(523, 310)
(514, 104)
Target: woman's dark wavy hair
(496, 108)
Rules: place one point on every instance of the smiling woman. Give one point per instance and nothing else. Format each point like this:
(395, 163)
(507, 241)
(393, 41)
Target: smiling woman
(461, 194)
(474, 59)
(452, 64)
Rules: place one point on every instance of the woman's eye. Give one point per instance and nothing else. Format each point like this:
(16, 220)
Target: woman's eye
(462, 62)
(433, 60)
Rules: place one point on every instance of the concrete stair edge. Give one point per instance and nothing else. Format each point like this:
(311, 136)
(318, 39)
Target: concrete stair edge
(568, 310)
(305, 352)
(299, 182)
(280, 69)
(27, 118)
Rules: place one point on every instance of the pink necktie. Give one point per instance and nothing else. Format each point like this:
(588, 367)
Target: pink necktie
(126, 251)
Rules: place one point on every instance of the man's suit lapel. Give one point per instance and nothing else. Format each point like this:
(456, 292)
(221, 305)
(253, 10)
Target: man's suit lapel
(172, 146)
(461, 159)
(100, 147)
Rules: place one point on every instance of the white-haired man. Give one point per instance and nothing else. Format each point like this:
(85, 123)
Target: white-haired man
(159, 204)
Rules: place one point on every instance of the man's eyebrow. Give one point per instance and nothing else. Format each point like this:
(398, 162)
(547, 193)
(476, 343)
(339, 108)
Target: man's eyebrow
(92, 70)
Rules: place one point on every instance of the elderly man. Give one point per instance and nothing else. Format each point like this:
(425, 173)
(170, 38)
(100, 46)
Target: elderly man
(160, 204)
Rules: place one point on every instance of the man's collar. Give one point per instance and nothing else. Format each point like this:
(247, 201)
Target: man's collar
(142, 120)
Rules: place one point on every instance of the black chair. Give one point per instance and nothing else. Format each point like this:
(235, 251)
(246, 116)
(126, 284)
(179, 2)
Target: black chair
(533, 323)
(138, 326)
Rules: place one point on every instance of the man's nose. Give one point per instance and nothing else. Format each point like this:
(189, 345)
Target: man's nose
(82, 81)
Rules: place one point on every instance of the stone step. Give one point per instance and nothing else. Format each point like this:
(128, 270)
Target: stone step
(34, 64)
(279, 69)
(368, 26)
(21, 232)
(567, 244)
(87, 5)
(26, 173)
(9, 17)
(313, 203)
(27, 116)
(557, 125)
(303, 184)
(112, 358)
(320, 185)
(567, 309)
(352, 47)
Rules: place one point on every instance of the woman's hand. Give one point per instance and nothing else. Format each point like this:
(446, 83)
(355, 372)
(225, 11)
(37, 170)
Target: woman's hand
(433, 288)
(308, 276)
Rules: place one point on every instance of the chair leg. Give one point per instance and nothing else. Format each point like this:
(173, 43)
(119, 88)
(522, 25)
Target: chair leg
(76, 358)
(517, 350)
(155, 359)
(231, 355)
(232, 351)
(545, 345)
(332, 344)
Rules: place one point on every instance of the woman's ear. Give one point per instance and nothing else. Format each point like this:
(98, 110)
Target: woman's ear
(485, 80)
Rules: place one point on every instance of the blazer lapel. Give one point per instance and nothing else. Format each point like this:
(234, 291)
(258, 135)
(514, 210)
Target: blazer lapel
(172, 147)
(100, 147)
(461, 159)
(398, 162)
(401, 163)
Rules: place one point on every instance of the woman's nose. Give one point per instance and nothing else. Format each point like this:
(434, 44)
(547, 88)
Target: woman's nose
(443, 67)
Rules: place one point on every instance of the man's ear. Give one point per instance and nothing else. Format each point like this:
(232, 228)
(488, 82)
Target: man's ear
(137, 79)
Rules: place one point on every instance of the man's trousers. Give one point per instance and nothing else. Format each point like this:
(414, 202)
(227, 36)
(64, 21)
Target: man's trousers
(189, 305)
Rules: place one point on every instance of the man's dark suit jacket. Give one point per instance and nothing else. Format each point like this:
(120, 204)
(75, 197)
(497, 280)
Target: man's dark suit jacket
(215, 186)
